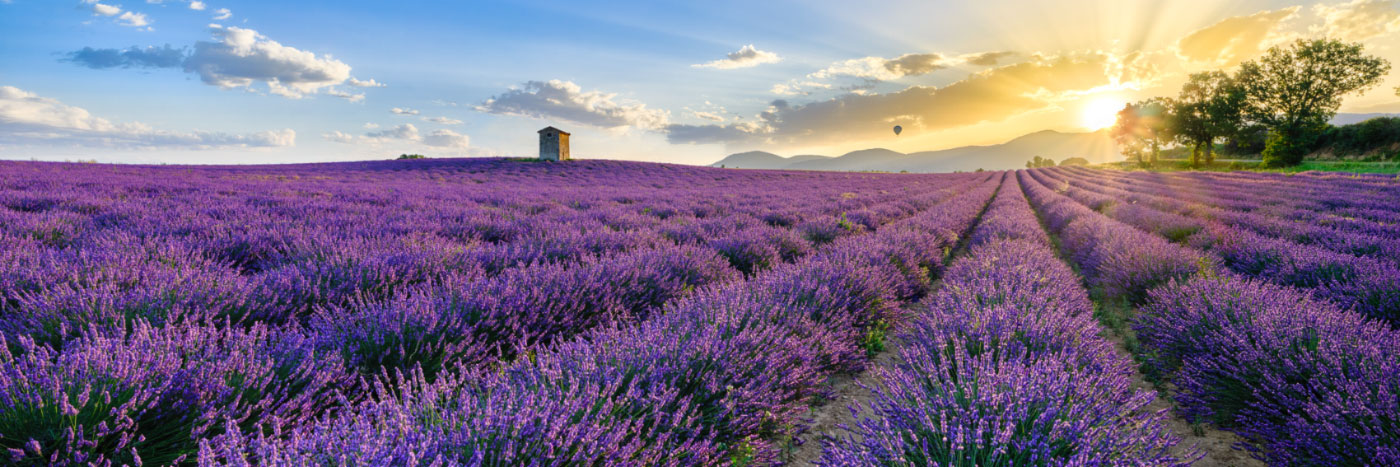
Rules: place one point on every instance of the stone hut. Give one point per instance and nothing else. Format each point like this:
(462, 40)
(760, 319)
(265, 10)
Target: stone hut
(554, 144)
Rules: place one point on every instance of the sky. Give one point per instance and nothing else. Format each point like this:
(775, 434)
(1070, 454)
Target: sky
(232, 82)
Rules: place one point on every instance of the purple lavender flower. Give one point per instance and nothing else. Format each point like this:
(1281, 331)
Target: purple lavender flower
(1310, 383)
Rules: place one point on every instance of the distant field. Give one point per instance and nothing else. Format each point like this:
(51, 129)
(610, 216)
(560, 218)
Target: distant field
(1228, 165)
(502, 312)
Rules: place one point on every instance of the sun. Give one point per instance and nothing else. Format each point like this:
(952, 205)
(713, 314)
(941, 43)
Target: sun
(1100, 113)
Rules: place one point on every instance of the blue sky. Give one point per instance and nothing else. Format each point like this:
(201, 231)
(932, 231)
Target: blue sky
(246, 81)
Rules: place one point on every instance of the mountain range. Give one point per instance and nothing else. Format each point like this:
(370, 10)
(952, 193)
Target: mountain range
(1097, 147)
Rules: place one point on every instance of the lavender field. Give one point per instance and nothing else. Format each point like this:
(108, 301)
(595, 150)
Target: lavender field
(504, 312)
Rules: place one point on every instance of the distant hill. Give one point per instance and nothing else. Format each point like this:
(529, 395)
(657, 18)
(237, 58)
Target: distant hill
(1097, 147)
(762, 160)
(1348, 119)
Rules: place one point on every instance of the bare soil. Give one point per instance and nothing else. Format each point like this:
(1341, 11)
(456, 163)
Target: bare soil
(830, 415)
(1216, 446)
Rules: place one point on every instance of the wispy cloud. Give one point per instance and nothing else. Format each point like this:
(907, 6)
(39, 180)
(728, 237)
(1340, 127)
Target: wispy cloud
(122, 17)
(1359, 19)
(885, 69)
(870, 71)
(992, 95)
(237, 58)
(745, 57)
(405, 133)
(135, 57)
(349, 96)
(565, 100)
(365, 84)
(26, 118)
(442, 120)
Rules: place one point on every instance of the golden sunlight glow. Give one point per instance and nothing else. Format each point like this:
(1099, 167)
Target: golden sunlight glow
(1100, 112)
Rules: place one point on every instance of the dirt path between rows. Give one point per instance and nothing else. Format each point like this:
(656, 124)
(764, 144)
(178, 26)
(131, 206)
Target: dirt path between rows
(1216, 445)
(831, 414)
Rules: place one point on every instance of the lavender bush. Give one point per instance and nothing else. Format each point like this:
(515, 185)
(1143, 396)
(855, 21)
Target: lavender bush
(149, 394)
(717, 377)
(1310, 383)
(489, 312)
(1004, 366)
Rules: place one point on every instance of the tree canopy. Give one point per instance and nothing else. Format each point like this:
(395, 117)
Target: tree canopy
(1295, 90)
(1281, 100)
(1039, 162)
(1143, 128)
(1210, 106)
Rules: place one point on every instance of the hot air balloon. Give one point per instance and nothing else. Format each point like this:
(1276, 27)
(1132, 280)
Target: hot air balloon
(898, 129)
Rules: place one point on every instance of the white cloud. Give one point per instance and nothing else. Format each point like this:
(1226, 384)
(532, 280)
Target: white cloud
(885, 69)
(242, 57)
(403, 111)
(237, 59)
(873, 70)
(26, 118)
(222, 14)
(406, 131)
(365, 84)
(133, 19)
(1359, 19)
(747, 56)
(795, 88)
(787, 90)
(105, 10)
(346, 95)
(447, 139)
(124, 18)
(565, 100)
(711, 116)
(442, 120)
(403, 133)
(339, 137)
(197, 5)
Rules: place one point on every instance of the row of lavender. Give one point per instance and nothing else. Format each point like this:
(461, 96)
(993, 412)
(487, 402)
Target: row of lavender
(1305, 382)
(1265, 207)
(1370, 285)
(1005, 366)
(117, 346)
(333, 246)
(719, 377)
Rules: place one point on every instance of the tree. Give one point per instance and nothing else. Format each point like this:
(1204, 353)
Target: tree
(1143, 128)
(1295, 90)
(1039, 162)
(1210, 106)
(1074, 161)
(1124, 133)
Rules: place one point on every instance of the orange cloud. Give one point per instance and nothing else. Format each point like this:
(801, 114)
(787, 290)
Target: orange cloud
(1360, 19)
(1234, 39)
(991, 95)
